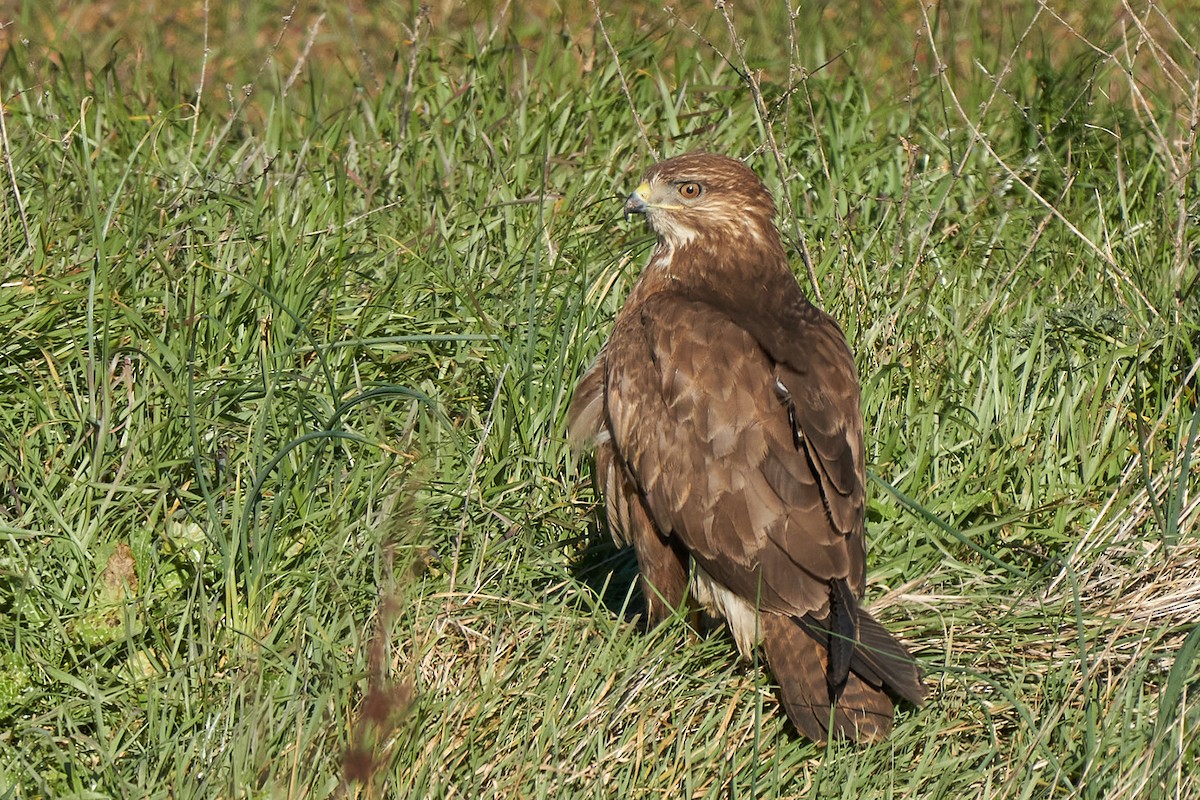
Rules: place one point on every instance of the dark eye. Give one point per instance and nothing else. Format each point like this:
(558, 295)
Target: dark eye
(691, 190)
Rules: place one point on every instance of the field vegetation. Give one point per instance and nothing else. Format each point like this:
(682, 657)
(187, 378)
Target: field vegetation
(293, 298)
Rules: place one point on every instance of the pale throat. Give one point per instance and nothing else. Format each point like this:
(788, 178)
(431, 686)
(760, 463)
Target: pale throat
(746, 233)
(671, 232)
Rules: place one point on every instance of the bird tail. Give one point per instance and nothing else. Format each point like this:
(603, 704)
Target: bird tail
(862, 711)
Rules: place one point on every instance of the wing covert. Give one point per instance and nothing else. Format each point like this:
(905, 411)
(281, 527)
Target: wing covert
(695, 412)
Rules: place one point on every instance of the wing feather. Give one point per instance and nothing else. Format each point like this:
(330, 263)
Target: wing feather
(693, 403)
(661, 564)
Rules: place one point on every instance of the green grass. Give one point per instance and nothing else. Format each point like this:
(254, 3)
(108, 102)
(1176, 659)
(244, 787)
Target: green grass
(288, 328)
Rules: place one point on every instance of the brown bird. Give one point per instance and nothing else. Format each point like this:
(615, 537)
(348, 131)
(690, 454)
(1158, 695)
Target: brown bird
(725, 414)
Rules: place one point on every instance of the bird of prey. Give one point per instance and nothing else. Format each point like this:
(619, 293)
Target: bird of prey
(724, 411)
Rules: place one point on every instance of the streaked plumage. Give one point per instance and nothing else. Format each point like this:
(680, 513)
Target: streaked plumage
(726, 419)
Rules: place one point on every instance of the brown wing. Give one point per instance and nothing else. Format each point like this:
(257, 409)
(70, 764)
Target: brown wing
(818, 384)
(661, 562)
(754, 465)
(745, 446)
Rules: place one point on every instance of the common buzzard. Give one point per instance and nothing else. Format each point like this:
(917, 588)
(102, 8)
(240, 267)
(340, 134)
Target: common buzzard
(725, 414)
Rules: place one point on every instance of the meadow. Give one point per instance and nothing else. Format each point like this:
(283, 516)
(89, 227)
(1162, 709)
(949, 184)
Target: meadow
(293, 298)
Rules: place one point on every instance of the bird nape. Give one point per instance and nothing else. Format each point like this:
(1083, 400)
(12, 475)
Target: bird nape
(725, 414)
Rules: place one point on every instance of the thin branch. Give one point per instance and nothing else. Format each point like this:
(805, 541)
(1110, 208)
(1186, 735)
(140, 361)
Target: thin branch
(414, 52)
(624, 83)
(978, 137)
(760, 107)
(308, 44)
(12, 176)
(199, 92)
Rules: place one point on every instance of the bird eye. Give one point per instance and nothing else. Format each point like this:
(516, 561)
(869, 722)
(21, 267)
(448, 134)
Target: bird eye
(691, 190)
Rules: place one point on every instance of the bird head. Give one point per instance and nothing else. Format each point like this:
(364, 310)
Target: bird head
(706, 199)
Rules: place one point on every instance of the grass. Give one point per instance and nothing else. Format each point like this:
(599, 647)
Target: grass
(291, 310)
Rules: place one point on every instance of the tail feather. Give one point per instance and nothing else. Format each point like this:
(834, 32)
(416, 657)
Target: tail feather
(798, 664)
(876, 656)
(889, 663)
(863, 709)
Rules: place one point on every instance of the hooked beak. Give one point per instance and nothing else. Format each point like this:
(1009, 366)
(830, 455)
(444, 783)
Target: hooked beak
(636, 202)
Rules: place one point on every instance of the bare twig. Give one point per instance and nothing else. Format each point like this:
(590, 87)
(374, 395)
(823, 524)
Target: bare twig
(978, 137)
(312, 37)
(247, 89)
(414, 51)
(760, 107)
(624, 83)
(957, 167)
(1183, 256)
(199, 92)
(12, 176)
